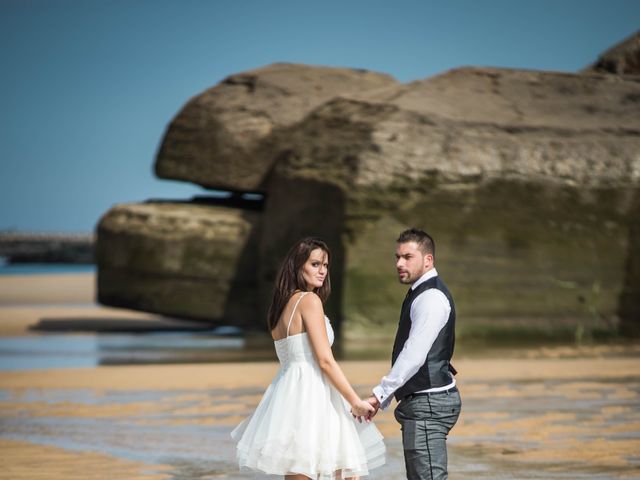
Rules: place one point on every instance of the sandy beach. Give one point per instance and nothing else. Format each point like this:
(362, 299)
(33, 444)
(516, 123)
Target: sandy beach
(66, 303)
(47, 289)
(556, 412)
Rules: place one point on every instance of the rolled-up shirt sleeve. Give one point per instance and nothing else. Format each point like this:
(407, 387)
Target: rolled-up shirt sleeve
(429, 313)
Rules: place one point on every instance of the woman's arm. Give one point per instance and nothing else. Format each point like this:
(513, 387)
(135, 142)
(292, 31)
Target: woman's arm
(313, 320)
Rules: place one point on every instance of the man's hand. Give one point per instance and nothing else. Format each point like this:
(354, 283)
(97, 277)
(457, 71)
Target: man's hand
(361, 409)
(373, 401)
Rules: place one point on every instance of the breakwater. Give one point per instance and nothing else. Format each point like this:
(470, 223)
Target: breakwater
(27, 247)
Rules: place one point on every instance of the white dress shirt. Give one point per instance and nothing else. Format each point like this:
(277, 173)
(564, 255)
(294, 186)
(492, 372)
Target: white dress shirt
(429, 313)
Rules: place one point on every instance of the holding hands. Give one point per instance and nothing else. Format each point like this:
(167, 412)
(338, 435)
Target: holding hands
(373, 401)
(361, 408)
(365, 409)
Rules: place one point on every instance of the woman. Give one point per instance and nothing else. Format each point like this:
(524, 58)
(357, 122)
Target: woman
(302, 427)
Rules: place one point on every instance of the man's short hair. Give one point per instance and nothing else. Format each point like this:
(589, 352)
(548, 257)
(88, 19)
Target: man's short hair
(422, 238)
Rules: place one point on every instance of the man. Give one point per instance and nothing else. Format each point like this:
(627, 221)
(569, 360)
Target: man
(421, 377)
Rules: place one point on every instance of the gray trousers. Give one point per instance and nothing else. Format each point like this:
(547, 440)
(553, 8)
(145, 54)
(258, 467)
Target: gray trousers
(425, 421)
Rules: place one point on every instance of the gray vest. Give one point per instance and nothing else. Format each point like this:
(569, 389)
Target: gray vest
(435, 372)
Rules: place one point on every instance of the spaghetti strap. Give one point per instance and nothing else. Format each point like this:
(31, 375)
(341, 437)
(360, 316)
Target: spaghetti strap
(294, 311)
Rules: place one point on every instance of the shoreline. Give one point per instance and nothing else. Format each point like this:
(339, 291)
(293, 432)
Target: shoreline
(33, 304)
(26, 298)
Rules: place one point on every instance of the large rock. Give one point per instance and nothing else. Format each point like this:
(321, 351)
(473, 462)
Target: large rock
(212, 140)
(621, 59)
(179, 259)
(529, 182)
(629, 308)
(526, 180)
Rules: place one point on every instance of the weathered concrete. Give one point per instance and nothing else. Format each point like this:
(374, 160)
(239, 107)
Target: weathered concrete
(629, 306)
(528, 181)
(212, 140)
(187, 260)
(524, 199)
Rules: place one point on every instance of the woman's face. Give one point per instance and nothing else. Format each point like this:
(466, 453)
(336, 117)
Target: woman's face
(315, 269)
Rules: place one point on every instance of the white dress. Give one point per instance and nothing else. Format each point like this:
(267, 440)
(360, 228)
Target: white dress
(303, 425)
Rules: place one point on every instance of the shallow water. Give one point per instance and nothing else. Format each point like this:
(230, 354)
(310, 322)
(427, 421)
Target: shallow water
(44, 268)
(69, 351)
(188, 430)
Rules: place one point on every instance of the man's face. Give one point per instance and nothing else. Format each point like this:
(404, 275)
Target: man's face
(411, 263)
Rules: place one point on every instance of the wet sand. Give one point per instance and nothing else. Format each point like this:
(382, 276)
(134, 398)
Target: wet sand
(561, 412)
(26, 460)
(560, 416)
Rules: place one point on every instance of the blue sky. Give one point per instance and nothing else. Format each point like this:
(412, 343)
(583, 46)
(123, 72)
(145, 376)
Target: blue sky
(87, 87)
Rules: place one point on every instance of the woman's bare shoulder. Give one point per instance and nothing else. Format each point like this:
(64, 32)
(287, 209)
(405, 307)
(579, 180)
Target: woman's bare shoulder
(310, 302)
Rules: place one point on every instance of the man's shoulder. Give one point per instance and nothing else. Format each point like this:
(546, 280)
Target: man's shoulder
(431, 293)
(431, 283)
(430, 296)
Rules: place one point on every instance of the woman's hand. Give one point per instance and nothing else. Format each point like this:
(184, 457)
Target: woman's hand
(362, 408)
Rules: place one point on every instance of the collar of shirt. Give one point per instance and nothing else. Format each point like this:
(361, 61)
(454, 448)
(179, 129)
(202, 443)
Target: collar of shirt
(425, 276)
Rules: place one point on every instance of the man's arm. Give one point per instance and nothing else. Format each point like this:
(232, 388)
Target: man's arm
(429, 313)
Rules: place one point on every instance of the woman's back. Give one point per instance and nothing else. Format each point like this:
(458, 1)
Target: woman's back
(290, 321)
(296, 347)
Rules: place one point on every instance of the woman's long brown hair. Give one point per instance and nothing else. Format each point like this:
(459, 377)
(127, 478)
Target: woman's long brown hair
(290, 277)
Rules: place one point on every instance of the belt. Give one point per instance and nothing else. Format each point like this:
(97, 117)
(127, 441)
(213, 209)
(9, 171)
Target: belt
(411, 396)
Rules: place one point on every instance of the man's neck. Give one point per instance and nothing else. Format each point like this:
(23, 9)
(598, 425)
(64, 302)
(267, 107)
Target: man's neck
(426, 275)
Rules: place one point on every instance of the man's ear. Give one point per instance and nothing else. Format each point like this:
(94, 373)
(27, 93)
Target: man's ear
(428, 260)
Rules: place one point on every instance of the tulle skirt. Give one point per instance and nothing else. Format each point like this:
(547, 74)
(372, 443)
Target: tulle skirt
(302, 425)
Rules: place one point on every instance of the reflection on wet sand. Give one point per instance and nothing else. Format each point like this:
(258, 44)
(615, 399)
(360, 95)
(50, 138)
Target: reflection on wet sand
(525, 418)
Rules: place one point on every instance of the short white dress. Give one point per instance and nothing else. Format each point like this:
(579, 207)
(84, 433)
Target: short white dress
(303, 425)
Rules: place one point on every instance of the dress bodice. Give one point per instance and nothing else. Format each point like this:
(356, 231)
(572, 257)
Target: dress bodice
(297, 348)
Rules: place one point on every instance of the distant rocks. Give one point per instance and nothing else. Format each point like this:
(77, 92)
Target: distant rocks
(621, 59)
(46, 248)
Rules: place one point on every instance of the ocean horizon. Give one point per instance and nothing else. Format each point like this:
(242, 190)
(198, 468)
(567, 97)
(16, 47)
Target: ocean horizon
(44, 268)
